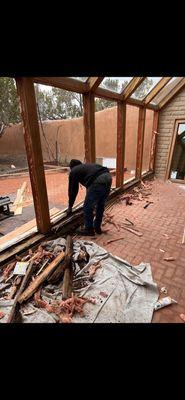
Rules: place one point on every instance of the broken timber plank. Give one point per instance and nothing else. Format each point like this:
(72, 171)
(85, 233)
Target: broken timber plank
(183, 238)
(31, 289)
(16, 306)
(20, 247)
(114, 240)
(19, 198)
(132, 231)
(68, 274)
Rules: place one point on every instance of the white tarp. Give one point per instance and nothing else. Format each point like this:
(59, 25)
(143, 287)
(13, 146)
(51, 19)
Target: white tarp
(129, 293)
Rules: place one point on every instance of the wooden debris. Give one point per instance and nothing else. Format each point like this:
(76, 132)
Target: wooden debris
(137, 233)
(162, 251)
(68, 274)
(103, 294)
(15, 315)
(8, 269)
(169, 259)
(129, 221)
(148, 203)
(183, 237)
(32, 288)
(93, 268)
(17, 207)
(182, 316)
(114, 240)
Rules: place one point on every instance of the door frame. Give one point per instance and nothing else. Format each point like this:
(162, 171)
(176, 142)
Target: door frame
(171, 149)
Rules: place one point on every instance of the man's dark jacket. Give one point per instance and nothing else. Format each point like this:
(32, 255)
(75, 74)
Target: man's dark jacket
(84, 174)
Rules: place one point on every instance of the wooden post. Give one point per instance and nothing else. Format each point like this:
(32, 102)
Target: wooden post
(154, 140)
(140, 141)
(89, 127)
(121, 128)
(26, 92)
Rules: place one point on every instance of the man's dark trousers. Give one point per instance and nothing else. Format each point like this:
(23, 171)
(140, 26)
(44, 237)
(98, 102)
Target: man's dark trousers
(96, 195)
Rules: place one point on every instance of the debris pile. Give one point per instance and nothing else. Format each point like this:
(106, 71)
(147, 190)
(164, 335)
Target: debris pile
(48, 272)
(109, 219)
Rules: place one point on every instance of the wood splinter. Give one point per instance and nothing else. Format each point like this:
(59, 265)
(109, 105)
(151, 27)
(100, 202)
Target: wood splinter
(68, 274)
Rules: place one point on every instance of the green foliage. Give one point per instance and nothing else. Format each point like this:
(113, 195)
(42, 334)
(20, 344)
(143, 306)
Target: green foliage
(59, 104)
(143, 89)
(110, 84)
(9, 102)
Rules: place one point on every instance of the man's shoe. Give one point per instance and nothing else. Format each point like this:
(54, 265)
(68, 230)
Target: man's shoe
(98, 230)
(85, 232)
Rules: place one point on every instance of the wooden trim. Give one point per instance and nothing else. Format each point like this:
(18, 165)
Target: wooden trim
(140, 141)
(65, 83)
(32, 139)
(157, 88)
(139, 103)
(172, 93)
(121, 129)
(94, 82)
(107, 94)
(182, 182)
(131, 87)
(89, 127)
(172, 146)
(154, 141)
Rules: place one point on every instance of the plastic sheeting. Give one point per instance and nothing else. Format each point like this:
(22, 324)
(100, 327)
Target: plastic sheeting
(123, 293)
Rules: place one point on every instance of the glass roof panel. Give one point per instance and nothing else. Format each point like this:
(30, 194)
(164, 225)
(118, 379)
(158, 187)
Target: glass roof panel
(115, 84)
(164, 91)
(79, 78)
(146, 86)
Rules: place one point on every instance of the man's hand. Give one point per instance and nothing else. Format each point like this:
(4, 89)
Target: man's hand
(69, 211)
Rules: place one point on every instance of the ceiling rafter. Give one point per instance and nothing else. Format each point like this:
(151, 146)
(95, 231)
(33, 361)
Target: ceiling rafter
(172, 93)
(157, 88)
(94, 82)
(63, 83)
(131, 87)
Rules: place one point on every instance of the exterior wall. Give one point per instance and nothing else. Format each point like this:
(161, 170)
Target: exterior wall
(70, 137)
(175, 109)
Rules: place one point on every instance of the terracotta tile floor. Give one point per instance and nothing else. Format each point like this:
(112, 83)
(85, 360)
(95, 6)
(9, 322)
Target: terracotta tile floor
(165, 216)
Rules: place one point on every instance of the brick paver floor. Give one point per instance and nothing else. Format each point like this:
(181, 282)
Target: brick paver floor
(165, 216)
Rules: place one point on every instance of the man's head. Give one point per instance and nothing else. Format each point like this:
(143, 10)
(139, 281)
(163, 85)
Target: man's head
(73, 163)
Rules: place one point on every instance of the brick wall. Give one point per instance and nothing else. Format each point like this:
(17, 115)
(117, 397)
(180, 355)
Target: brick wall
(175, 109)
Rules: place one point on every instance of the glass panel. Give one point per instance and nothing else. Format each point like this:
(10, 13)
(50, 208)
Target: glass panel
(178, 159)
(115, 84)
(172, 83)
(147, 140)
(106, 135)
(146, 86)
(62, 138)
(132, 116)
(14, 173)
(80, 78)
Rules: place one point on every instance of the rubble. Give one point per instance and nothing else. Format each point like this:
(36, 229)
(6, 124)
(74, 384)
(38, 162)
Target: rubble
(51, 257)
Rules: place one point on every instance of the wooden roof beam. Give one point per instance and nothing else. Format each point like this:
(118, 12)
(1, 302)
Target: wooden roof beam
(139, 103)
(107, 94)
(94, 82)
(172, 93)
(131, 87)
(157, 88)
(63, 83)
